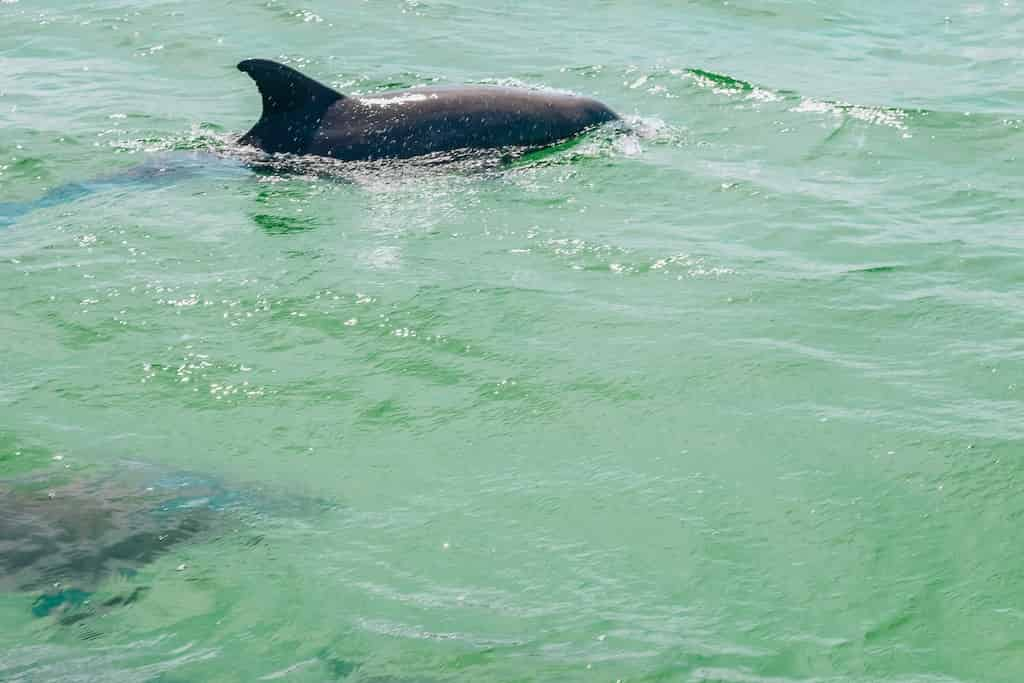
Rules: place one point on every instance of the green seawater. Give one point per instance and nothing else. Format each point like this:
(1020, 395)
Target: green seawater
(734, 395)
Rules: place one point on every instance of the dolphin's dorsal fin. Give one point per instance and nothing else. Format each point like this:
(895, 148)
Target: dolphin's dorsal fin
(285, 90)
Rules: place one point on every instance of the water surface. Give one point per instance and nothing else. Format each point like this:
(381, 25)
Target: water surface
(732, 397)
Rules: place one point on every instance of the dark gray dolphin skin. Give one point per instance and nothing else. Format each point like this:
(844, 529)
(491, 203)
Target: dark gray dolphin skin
(302, 116)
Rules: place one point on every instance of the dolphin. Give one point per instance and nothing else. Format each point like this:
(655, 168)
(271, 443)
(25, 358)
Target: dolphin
(303, 116)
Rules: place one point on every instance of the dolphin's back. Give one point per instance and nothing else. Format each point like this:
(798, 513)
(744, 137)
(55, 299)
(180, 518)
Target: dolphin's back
(301, 116)
(419, 121)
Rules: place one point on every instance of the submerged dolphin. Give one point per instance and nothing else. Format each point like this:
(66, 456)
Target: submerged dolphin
(302, 116)
(79, 533)
(160, 170)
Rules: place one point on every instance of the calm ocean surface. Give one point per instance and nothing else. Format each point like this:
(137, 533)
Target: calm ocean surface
(734, 396)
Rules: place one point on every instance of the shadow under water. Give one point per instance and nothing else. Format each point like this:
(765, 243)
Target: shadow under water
(60, 542)
(160, 170)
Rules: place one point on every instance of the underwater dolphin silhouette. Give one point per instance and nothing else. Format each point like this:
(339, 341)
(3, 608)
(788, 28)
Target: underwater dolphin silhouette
(303, 116)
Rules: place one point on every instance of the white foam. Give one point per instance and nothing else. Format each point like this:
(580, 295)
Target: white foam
(397, 100)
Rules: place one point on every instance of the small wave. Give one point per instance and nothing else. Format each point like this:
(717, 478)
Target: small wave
(525, 85)
(727, 85)
(879, 116)
(902, 119)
